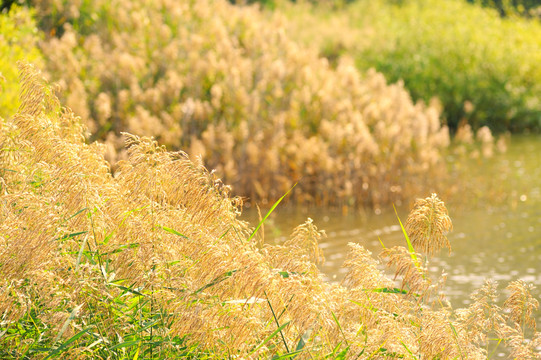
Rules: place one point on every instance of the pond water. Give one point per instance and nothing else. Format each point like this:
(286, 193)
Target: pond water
(496, 226)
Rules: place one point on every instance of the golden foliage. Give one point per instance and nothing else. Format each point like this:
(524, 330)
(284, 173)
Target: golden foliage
(158, 252)
(227, 84)
(428, 224)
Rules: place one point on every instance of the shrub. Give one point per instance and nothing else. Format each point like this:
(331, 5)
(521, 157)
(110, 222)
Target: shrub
(227, 84)
(18, 41)
(512, 7)
(481, 67)
(154, 263)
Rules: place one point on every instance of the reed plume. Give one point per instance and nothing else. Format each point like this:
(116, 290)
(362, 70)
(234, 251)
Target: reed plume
(521, 303)
(428, 224)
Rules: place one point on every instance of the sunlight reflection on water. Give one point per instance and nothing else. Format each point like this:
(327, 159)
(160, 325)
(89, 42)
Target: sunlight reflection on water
(498, 240)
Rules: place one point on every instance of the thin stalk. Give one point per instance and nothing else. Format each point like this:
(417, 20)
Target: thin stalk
(276, 320)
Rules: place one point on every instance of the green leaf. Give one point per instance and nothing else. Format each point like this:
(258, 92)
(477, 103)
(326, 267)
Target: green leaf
(135, 292)
(270, 212)
(388, 291)
(78, 262)
(67, 322)
(276, 320)
(72, 235)
(284, 274)
(217, 280)
(173, 231)
(410, 246)
(65, 345)
(77, 213)
(274, 333)
(342, 354)
(125, 344)
(340, 327)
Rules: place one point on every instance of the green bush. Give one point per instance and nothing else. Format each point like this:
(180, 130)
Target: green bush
(461, 54)
(511, 7)
(18, 41)
(482, 67)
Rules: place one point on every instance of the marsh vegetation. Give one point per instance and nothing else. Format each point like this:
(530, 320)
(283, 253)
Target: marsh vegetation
(118, 241)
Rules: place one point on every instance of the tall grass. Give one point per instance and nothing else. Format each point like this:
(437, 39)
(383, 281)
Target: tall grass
(227, 83)
(154, 263)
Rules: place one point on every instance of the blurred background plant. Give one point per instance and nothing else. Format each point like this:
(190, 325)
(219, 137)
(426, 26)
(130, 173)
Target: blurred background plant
(227, 83)
(19, 38)
(482, 67)
(527, 8)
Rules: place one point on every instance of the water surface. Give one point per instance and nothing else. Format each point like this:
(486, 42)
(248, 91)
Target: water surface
(496, 221)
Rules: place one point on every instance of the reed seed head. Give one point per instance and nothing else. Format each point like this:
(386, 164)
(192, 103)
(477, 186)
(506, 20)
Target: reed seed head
(428, 224)
(521, 303)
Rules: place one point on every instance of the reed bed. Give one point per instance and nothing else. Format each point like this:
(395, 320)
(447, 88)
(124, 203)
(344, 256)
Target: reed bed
(154, 263)
(227, 84)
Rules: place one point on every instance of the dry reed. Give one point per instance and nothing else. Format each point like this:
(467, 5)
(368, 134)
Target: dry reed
(226, 83)
(155, 262)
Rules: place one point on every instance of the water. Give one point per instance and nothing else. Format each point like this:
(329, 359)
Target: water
(496, 221)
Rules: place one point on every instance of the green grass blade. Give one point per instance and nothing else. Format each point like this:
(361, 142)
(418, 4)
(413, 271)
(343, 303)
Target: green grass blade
(388, 291)
(408, 350)
(496, 348)
(302, 341)
(125, 344)
(77, 213)
(65, 345)
(67, 322)
(457, 343)
(276, 320)
(269, 338)
(381, 242)
(290, 355)
(342, 354)
(78, 262)
(173, 231)
(270, 212)
(410, 246)
(136, 356)
(342, 331)
(72, 235)
(217, 280)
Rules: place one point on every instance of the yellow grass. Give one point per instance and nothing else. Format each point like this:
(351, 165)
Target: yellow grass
(155, 263)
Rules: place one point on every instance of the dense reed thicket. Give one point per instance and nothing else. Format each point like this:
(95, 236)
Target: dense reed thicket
(155, 263)
(225, 83)
(482, 67)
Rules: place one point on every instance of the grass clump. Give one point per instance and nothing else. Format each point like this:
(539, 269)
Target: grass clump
(154, 263)
(482, 67)
(228, 84)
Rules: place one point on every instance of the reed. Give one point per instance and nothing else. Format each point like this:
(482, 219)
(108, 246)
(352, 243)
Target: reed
(228, 84)
(154, 263)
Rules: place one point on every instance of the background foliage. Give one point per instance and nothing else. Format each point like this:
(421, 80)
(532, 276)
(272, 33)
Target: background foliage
(483, 68)
(228, 84)
(19, 38)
